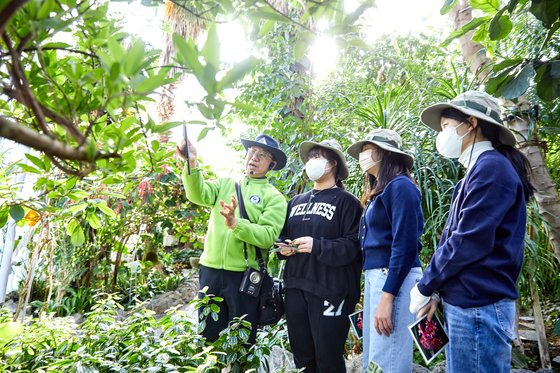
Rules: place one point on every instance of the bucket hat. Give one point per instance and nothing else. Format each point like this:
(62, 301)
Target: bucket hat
(306, 146)
(473, 103)
(384, 138)
(270, 145)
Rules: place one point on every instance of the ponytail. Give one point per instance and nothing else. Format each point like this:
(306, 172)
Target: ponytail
(517, 159)
(339, 182)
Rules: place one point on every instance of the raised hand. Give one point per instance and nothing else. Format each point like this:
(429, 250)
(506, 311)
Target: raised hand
(192, 152)
(228, 212)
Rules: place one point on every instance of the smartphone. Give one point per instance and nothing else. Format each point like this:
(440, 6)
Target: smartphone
(283, 245)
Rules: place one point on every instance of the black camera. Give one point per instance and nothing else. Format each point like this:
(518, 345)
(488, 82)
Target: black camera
(251, 282)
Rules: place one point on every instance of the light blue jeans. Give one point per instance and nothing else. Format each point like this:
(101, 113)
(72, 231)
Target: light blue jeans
(392, 353)
(480, 337)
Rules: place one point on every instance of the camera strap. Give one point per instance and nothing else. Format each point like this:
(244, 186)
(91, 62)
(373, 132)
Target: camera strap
(243, 214)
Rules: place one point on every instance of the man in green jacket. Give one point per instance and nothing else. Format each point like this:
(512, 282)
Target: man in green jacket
(223, 260)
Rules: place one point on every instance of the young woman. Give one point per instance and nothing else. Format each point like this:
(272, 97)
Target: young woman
(390, 230)
(480, 253)
(322, 274)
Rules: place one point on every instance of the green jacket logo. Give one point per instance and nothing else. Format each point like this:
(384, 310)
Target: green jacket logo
(254, 199)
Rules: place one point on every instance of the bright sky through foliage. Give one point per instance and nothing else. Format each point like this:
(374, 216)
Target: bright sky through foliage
(388, 17)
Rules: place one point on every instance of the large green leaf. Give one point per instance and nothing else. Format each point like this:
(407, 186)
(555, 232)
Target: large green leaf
(519, 84)
(4, 215)
(102, 206)
(211, 49)
(353, 17)
(487, 6)
(548, 86)
(505, 64)
(474, 23)
(77, 237)
(16, 212)
(554, 69)
(447, 6)
(187, 54)
(135, 58)
(78, 207)
(496, 83)
(166, 126)
(547, 11)
(148, 85)
(93, 220)
(500, 27)
(267, 13)
(237, 72)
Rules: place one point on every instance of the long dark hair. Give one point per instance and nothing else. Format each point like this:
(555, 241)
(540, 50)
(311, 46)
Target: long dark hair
(491, 131)
(392, 165)
(330, 156)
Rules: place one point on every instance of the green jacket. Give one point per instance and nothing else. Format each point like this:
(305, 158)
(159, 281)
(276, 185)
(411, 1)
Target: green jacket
(223, 247)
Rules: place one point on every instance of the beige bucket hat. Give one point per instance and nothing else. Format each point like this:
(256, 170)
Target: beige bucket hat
(306, 146)
(384, 138)
(474, 103)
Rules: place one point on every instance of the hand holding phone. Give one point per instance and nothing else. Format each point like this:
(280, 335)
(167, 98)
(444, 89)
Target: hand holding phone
(285, 248)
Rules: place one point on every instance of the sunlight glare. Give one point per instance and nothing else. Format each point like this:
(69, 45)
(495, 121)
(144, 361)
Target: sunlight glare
(323, 55)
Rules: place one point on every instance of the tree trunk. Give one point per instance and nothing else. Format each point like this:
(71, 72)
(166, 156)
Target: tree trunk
(546, 194)
(474, 54)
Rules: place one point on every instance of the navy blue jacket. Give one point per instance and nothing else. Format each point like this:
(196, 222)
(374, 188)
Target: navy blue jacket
(480, 254)
(390, 231)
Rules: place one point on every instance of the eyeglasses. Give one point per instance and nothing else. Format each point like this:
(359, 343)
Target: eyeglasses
(259, 154)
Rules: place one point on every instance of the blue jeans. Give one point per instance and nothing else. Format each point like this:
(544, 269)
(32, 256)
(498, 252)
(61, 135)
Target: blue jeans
(392, 353)
(480, 337)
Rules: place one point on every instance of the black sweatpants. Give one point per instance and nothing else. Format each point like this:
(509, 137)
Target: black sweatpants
(317, 331)
(225, 284)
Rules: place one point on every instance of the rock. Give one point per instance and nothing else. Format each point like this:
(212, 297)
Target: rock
(78, 318)
(354, 363)
(439, 367)
(10, 305)
(121, 315)
(419, 369)
(544, 370)
(180, 296)
(556, 361)
(521, 371)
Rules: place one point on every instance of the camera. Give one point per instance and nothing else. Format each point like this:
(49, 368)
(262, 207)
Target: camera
(251, 282)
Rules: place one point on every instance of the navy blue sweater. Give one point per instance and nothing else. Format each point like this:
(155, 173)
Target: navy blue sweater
(480, 254)
(390, 231)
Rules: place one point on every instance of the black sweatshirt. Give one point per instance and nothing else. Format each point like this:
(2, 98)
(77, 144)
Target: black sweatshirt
(333, 269)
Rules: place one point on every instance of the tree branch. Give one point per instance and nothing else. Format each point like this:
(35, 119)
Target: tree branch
(197, 15)
(46, 144)
(71, 50)
(72, 171)
(9, 11)
(54, 116)
(19, 80)
(288, 17)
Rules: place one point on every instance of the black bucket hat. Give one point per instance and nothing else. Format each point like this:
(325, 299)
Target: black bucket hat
(270, 145)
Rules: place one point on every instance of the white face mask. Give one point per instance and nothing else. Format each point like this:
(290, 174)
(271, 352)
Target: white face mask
(365, 161)
(448, 142)
(315, 168)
